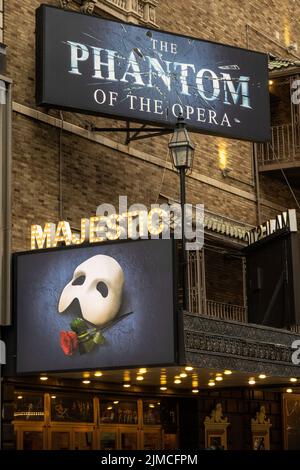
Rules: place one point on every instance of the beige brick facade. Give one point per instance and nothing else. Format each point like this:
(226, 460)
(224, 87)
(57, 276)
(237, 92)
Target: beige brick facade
(92, 173)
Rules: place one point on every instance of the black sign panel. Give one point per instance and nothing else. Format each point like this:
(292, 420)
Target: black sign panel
(99, 306)
(273, 267)
(97, 66)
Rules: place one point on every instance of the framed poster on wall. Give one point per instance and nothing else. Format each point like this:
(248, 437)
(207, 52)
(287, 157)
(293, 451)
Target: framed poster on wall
(104, 305)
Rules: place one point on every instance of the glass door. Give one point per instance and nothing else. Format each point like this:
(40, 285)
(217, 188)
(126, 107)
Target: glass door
(108, 438)
(128, 438)
(30, 437)
(59, 438)
(82, 438)
(151, 438)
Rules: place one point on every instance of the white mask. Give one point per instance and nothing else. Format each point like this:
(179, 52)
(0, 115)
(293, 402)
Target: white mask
(95, 308)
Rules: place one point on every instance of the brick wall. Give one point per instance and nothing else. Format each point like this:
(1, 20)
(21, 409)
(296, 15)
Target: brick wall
(92, 173)
(224, 277)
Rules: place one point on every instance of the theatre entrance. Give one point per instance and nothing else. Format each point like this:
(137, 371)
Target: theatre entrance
(63, 421)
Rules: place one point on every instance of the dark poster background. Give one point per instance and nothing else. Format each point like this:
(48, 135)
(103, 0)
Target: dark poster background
(144, 337)
(56, 87)
(273, 269)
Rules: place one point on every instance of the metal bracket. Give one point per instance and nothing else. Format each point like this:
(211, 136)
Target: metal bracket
(134, 133)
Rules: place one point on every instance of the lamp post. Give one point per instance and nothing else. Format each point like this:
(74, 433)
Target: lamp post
(182, 153)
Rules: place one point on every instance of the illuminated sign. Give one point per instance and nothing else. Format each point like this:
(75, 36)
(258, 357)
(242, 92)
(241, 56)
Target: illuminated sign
(286, 220)
(97, 306)
(133, 224)
(98, 66)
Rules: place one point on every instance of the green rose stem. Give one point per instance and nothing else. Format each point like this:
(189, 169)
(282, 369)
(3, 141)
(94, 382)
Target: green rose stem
(89, 338)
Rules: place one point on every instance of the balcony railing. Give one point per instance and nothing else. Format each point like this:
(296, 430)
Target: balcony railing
(225, 311)
(222, 311)
(199, 305)
(295, 329)
(197, 302)
(283, 147)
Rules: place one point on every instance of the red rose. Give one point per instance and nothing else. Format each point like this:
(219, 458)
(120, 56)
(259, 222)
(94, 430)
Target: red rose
(68, 342)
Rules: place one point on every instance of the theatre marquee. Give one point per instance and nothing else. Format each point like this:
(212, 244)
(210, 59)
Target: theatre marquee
(98, 66)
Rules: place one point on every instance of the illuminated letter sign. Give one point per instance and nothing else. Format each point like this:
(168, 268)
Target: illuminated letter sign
(97, 66)
(285, 221)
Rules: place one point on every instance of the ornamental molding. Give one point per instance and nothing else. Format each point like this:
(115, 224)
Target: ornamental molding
(221, 225)
(131, 11)
(215, 343)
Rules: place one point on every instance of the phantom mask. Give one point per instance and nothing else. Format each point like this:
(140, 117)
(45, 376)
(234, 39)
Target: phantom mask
(97, 283)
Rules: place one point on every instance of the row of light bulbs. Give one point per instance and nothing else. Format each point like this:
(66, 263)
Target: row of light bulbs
(177, 379)
(252, 380)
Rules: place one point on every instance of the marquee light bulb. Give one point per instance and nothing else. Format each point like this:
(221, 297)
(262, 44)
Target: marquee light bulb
(211, 383)
(86, 382)
(183, 375)
(177, 381)
(293, 379)
(98, 374)
(189, 368)
(43, 378)
(227, 372)
(195, 390)
(251, 381)
(289, 390)
(163, 389)
(262, 376)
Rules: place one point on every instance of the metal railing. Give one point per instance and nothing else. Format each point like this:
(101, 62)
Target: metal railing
(295, 329)
(197, 302)
(196, 282)
(225, 311)
(283, 147)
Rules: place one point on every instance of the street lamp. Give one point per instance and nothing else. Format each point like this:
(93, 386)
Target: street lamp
(182, 153)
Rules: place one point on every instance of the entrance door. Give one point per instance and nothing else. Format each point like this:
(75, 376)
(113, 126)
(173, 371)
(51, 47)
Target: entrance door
(76, 437)
(151, 438)
(82, 438)
(30, 437)
(59, 438)
(108, 438)
(128, 438)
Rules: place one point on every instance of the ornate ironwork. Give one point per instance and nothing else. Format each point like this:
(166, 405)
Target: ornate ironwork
(218, 344)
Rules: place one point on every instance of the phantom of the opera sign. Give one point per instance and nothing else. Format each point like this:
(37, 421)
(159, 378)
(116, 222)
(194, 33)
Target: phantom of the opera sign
(97, 66)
